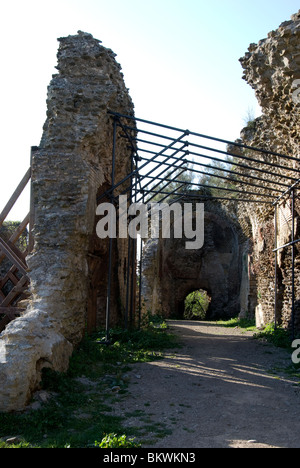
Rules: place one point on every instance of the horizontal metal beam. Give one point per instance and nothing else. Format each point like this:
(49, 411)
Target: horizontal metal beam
(287, 245)
(209, 197)
(219, 140)
(210, 186)
(288, 191)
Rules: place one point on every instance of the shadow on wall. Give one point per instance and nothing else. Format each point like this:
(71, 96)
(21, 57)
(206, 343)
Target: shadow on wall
(216, 268)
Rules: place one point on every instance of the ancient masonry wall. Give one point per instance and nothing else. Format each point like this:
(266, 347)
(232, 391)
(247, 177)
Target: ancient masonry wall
(71, 167)
(272, 68)
(171, 272)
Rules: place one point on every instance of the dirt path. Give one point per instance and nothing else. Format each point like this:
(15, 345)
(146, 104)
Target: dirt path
(218, 390)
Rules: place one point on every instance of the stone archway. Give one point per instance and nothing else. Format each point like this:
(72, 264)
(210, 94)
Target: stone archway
(171, 272)
(191, 301)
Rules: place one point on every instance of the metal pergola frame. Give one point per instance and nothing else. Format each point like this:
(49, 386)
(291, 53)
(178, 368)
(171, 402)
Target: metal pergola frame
(163, 153)
(291, 192)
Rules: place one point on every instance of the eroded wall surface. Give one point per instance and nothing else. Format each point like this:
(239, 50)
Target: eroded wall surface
(171, 272)
(272, 68)
(71, 167)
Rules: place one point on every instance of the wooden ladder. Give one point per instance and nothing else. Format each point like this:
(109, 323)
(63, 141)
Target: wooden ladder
(17, 274)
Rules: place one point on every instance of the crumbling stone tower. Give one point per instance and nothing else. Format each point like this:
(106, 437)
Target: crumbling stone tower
(70, 168)
(272, 68)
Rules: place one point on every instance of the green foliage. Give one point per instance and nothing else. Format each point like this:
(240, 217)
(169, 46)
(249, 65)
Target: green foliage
(183, 178)
(8, 228)
(115, 441)
(249, 118)
(279, 337)
(246, 323)
(14, 446)
(155, 321)
(196, 305)
(77, 415)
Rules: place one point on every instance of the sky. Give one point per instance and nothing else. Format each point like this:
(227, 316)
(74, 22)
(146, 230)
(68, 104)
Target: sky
(180, 60)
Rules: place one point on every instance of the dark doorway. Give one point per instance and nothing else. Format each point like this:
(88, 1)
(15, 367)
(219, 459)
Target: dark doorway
(196, 305)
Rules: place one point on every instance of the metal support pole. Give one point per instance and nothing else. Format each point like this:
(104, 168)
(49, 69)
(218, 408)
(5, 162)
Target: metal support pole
(133, 268)
(293, 264)
(128, 251)
(108, 297)
(133, 278)
(275, 273)
(127, 282)
(140, 284)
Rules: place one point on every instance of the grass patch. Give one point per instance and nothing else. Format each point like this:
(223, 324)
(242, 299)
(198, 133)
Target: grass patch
(279, 337)
(78, 414)
(247, 324)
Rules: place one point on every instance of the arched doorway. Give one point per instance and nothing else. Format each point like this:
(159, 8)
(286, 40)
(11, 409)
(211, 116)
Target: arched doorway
(176, 271)
(196, 305)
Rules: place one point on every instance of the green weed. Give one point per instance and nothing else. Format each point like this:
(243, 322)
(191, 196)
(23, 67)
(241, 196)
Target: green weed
(246, 323)
(278, 336)
(78, 414)
(115, 441)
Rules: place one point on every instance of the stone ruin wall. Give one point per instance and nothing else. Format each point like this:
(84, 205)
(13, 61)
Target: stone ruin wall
(171, 272)
(271, 67)
(67, 268)
(72, 166)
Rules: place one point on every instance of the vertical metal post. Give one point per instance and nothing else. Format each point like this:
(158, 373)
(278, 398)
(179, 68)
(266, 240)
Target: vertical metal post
(293, 264)
(275, 264)
(133, 268)
(133, 277)
(127, 282)
(128, 253)
(140, 283)
(108, 297)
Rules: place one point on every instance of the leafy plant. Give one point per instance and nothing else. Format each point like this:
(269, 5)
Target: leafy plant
(278, 336)
(80, 412)
(115, 441)
(246, 323)
(155, 321)
(196, 305)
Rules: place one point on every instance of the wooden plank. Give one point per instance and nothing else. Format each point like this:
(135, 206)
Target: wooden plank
(15, 236)
(21, 255)
(12, 278)
(20, 229)
(15, 292)
(34, 149)
(3, 322)
(4, 279)
(11, 312)
(15, 196)
(13, 257)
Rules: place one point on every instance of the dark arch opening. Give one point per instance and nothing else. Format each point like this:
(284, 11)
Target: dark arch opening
(195, 305)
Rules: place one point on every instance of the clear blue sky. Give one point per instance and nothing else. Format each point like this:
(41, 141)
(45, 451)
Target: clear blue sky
(179, 59)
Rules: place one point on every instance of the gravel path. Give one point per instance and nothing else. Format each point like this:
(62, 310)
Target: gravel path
(221, 389)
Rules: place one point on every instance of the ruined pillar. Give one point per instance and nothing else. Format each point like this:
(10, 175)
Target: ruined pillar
(71, 167)
(272, 69)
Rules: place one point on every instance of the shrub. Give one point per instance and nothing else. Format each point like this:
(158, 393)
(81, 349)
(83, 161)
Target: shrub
(196, 305)
(115, 441)
(278, 336)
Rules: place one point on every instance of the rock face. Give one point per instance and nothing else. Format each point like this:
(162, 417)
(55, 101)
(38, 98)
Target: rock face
(272, 68)
(71, 167)
(239, 274)
(171, 272)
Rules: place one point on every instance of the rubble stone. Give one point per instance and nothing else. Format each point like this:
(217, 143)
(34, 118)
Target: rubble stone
(71, 167)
